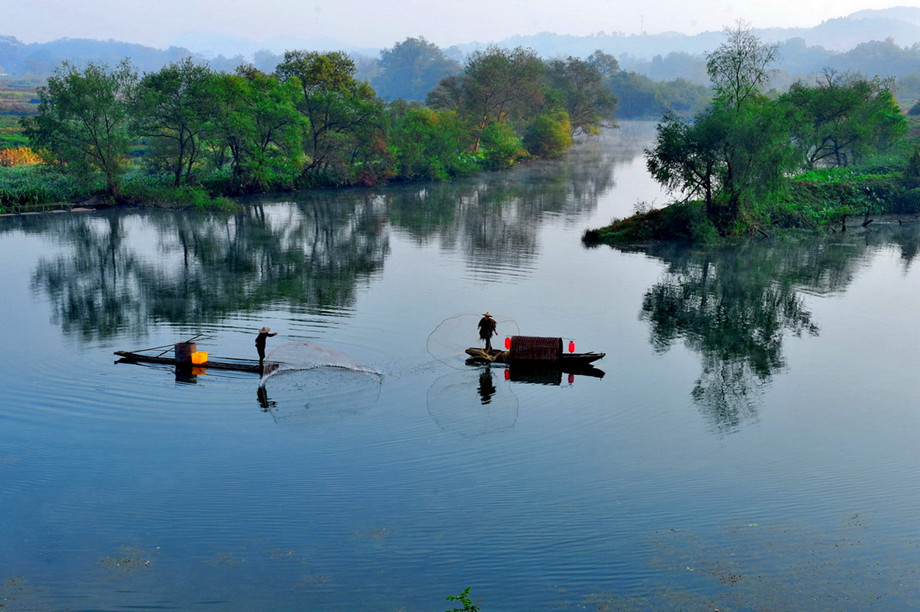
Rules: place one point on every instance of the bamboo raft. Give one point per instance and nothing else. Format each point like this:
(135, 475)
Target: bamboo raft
(238, 365)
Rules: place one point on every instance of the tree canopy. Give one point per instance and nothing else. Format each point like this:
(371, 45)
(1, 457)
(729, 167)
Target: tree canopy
(83, 119)
(411, 69)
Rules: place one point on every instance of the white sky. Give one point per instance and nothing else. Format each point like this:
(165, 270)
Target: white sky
(382, 23)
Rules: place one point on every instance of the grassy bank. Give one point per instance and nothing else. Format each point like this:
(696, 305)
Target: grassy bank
(824, 201)
(30, 188)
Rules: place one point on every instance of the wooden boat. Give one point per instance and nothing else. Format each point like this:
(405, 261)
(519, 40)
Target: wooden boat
(534, 352)
(238, 365)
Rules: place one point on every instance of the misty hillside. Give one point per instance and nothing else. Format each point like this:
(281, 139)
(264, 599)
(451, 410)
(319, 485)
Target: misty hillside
(884, 42)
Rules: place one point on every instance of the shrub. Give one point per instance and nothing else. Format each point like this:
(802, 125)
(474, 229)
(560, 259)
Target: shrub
(19, 156)
(549, 135)
(501, 147)
(22, 187)
(909, 203)
(185, 196)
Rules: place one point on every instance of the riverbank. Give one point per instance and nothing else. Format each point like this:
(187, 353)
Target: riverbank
(817, 202)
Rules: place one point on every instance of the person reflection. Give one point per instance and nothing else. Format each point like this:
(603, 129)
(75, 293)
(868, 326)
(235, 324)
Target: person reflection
(264, 401)
(486, 386)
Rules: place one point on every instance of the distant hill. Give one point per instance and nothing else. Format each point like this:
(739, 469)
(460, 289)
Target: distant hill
(848, 43)
(900, 24)
(18, 59)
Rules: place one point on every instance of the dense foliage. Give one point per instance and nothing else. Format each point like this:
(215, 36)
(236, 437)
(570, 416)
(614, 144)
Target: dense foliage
(309, 122)
(733, 161)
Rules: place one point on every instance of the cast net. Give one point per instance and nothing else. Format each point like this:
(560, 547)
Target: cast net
(453, 336)
(308, 383)
(473, 403)
(300, 356)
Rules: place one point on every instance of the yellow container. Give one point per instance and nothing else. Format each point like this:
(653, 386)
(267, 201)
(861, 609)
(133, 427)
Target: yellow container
(199, 357)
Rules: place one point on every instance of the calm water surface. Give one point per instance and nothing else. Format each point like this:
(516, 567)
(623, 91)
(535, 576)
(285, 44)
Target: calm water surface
(753, 445)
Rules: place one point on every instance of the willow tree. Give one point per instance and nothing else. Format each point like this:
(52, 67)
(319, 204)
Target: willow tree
(736, 152)
(740, 67)
(578, 88)
(843, 118)
(259, 128)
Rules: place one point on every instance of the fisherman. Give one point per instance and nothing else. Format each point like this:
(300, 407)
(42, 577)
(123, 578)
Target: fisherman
(487, 330)
(264, 333)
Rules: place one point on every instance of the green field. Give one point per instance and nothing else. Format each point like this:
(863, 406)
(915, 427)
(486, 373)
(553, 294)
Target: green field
(15, 103)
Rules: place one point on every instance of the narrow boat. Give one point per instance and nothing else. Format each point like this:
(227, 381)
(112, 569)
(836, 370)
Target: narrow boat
(534, 352)
(223, 363)
(186, 356)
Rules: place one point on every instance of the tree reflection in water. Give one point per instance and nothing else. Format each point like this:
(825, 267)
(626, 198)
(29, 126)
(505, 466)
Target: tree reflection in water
(734, 306)
(206, 266)
(308, 252)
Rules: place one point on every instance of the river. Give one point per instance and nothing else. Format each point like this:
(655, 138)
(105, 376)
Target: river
(751, 445)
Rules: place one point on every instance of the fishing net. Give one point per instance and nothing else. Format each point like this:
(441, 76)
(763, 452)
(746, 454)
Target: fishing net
(473, 403)
(307, 383)
(453, 336)
(300, 356)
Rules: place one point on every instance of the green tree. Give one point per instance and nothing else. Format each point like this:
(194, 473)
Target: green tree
(83, 120)
(411, 69)
(578, 85)
(755, 157)
(498, 86)
(257, 130)
(343, 114)
(843, 118)
(739, 67)
(549, 135)
(605, 64)
(738, 149)
(729, 159)
(172, 109)
(429, 144)
(685, 156)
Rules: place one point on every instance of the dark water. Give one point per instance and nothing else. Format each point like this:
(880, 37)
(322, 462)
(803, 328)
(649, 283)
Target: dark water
(753, 445)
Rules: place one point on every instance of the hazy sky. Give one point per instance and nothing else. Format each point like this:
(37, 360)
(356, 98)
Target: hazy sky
(382, 23)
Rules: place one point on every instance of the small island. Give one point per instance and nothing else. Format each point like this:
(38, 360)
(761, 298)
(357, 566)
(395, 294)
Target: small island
(754, 163)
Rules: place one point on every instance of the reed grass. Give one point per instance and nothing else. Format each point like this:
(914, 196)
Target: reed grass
(28, 187)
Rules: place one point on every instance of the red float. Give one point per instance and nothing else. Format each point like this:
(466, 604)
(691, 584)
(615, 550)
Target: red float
(571, 346)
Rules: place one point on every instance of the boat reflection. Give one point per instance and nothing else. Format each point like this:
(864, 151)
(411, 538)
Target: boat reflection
(551, 374)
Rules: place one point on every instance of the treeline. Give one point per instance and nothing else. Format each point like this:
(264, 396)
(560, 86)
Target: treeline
(734, 160)
(310, 122)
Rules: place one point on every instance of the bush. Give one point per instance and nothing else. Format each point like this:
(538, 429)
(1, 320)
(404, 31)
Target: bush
(684, 222)
(500, 147)
(909, 203)
(430, 145)
(549, 135)
(185, 196)
(19, 156)
(22, 187)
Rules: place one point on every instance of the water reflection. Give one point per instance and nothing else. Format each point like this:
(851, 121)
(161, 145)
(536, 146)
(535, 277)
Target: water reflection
(486, 386)
(121, 271)
(472, 403)
(735, 306)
